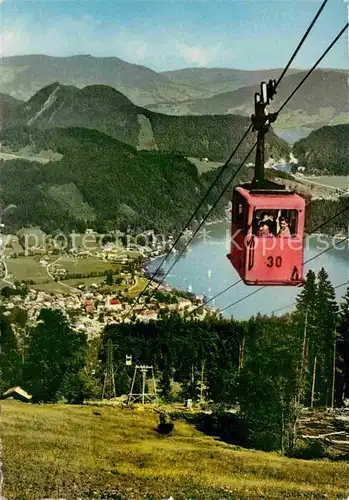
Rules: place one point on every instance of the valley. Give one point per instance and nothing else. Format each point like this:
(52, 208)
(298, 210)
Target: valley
(102, 164)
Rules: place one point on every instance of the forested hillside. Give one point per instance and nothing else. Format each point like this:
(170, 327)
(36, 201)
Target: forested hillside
(103, 182)
(325, 151)
(319, 211)
(7, 106)
(105, 109)
(99, 181)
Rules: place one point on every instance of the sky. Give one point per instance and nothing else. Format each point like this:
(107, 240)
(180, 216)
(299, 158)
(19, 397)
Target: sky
(174, 34)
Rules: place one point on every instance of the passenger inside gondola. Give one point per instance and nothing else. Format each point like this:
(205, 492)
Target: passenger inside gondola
(280, 223)
(264, 230)
(284, 225)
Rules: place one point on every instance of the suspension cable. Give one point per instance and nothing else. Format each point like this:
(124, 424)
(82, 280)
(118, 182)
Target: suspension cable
(302, 41)
(231, 156)
(214, 297)
(315, 65)
(226, 187)
(305, 36)
(336, 215)
(294, 303)
(306, 262)
(216, 179)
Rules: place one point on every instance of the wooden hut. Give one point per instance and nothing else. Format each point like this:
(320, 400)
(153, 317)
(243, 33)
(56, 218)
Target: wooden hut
(17, 393)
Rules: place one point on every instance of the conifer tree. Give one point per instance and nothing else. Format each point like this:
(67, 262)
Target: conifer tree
(55, 356)
(305, 327)
(342, 358)
(307, 297)
(268, 383)
(10, 359)
(326, 321)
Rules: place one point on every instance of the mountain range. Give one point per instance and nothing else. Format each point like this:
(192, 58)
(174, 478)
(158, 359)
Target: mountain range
(103, 108)
(320, 101)
(23, 76)
(112, 162)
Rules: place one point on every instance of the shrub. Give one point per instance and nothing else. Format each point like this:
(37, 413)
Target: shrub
(309, 450)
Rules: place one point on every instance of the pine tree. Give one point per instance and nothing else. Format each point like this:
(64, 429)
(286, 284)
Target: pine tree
(268, 383)
(307, 298)
(55, 356)
(305, 328)
(10, 359)
(342, 358)
(166, 383)
(326, 322)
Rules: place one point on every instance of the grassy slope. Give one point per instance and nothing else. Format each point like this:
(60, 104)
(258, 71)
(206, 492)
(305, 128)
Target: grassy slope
(66, 452)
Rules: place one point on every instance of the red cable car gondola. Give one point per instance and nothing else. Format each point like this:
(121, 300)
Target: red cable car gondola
(267, 219)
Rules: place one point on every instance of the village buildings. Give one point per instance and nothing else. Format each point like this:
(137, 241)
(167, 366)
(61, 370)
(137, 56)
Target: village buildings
(89, 310)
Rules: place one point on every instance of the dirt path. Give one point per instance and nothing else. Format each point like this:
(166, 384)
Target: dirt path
(53, 278)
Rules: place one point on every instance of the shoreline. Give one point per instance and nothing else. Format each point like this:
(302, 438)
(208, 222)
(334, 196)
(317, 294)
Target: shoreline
(172, 289)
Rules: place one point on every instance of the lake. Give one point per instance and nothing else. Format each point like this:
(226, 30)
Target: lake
(205, 270)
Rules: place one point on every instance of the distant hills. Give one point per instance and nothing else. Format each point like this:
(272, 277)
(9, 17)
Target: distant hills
(322, 99)
(325, 151)
(218, 80)
(23, 76)
(103, 108)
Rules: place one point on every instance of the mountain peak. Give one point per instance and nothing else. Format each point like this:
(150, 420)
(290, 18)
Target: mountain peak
(105, 92)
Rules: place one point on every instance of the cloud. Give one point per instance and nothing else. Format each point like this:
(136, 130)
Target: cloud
(6, 40)
(158, 48)
(198, 56)
(174, 36)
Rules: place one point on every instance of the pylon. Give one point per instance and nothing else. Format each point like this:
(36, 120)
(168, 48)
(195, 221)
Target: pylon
(142, 396)
(109, 391)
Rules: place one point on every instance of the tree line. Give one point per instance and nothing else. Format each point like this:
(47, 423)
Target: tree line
(269, 366)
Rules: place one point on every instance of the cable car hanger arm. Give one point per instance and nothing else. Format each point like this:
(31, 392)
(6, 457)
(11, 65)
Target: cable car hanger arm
(261, 121)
